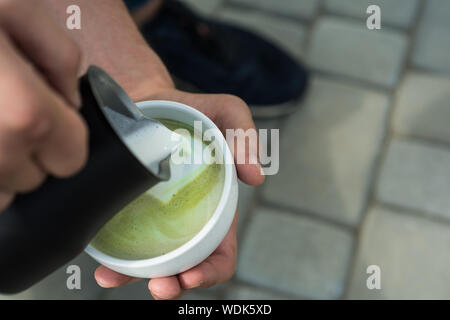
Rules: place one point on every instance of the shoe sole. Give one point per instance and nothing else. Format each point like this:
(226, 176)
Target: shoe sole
(258, 112)
(275, 111)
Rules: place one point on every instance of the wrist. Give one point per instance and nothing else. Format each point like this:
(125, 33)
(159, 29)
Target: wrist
(120, 49)
(141, 74)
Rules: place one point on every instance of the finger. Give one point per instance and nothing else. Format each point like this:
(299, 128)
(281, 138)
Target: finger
(59, 61)
(5, 200)
(18, 170)
(39, 118)
(217, 268)
(231, 113)
(23, 177)
(227, 112)
(165, 288)
(108, 278)
(65, 150)
(36, 121)
(244, 155)
(236, 115)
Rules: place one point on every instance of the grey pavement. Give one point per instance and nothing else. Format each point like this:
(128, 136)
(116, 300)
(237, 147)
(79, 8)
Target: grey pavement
(328, 152)
(398, 13)
(432, 42)
(411, 251)
(365, 161)
(276, 240)
(348, 48)
(422, 107)
(416, 175)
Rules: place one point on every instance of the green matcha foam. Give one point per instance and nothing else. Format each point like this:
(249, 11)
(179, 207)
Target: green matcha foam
(154, 223)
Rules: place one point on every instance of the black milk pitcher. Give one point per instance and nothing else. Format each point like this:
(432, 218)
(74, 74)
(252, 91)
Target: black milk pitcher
(43, 230)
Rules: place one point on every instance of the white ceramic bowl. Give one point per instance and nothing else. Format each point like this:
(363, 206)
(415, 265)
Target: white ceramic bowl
(210, 236)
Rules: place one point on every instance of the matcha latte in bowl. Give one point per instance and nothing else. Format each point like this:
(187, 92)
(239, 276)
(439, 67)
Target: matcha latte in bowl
(178, 223)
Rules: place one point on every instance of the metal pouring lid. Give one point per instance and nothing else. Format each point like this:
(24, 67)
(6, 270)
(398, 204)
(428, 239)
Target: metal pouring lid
(132, 126)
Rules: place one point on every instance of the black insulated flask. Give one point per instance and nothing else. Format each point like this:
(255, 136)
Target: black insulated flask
(45, 229)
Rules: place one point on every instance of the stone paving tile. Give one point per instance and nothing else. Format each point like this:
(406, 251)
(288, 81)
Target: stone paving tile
(245, 203)
(139, 291)
(433, 43)
(199, 294)
(133, 291)
(411, 252)
(416, 176)
(349, 48)
(206, 7)
(305, 9)
(287, 34)
(422, 107)
(398, 13)
(247, 194)
(55, 285)
(328, 149)
(294, 254)
(245, 292)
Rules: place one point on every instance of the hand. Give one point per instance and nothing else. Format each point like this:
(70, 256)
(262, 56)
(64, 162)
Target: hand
(40, 130)
(140, 72)
(228, 112)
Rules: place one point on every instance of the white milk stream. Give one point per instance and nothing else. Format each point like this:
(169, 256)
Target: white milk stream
(182, 169)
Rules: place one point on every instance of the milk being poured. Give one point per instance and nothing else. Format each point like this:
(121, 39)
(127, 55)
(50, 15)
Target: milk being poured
(167, 144)
(170, 213)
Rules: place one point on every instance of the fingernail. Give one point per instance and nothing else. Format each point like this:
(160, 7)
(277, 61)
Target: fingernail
(261, 171)
(163, 297)
(198, 284)
(101, 283)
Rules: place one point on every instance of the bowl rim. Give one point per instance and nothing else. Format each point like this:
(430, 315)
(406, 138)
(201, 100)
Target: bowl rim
(212, 222)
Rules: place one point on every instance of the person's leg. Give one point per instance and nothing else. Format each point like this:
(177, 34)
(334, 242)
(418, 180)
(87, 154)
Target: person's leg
(216, 57)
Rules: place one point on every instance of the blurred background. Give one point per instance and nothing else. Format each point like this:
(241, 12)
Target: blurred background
(365, 161)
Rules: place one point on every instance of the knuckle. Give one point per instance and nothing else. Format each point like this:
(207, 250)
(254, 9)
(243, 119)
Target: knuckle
(236, 103)
(66, 151)
(7, 4)
(70, 56)
(28, 119)
(235, 100)
(32, 183)
(19, 176)
(10, 8)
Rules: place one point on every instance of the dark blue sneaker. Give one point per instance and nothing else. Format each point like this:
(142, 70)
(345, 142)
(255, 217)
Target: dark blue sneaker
(216, 57)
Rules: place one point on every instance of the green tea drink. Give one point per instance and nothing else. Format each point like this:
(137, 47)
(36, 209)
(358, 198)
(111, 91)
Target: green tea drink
(162, 219)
